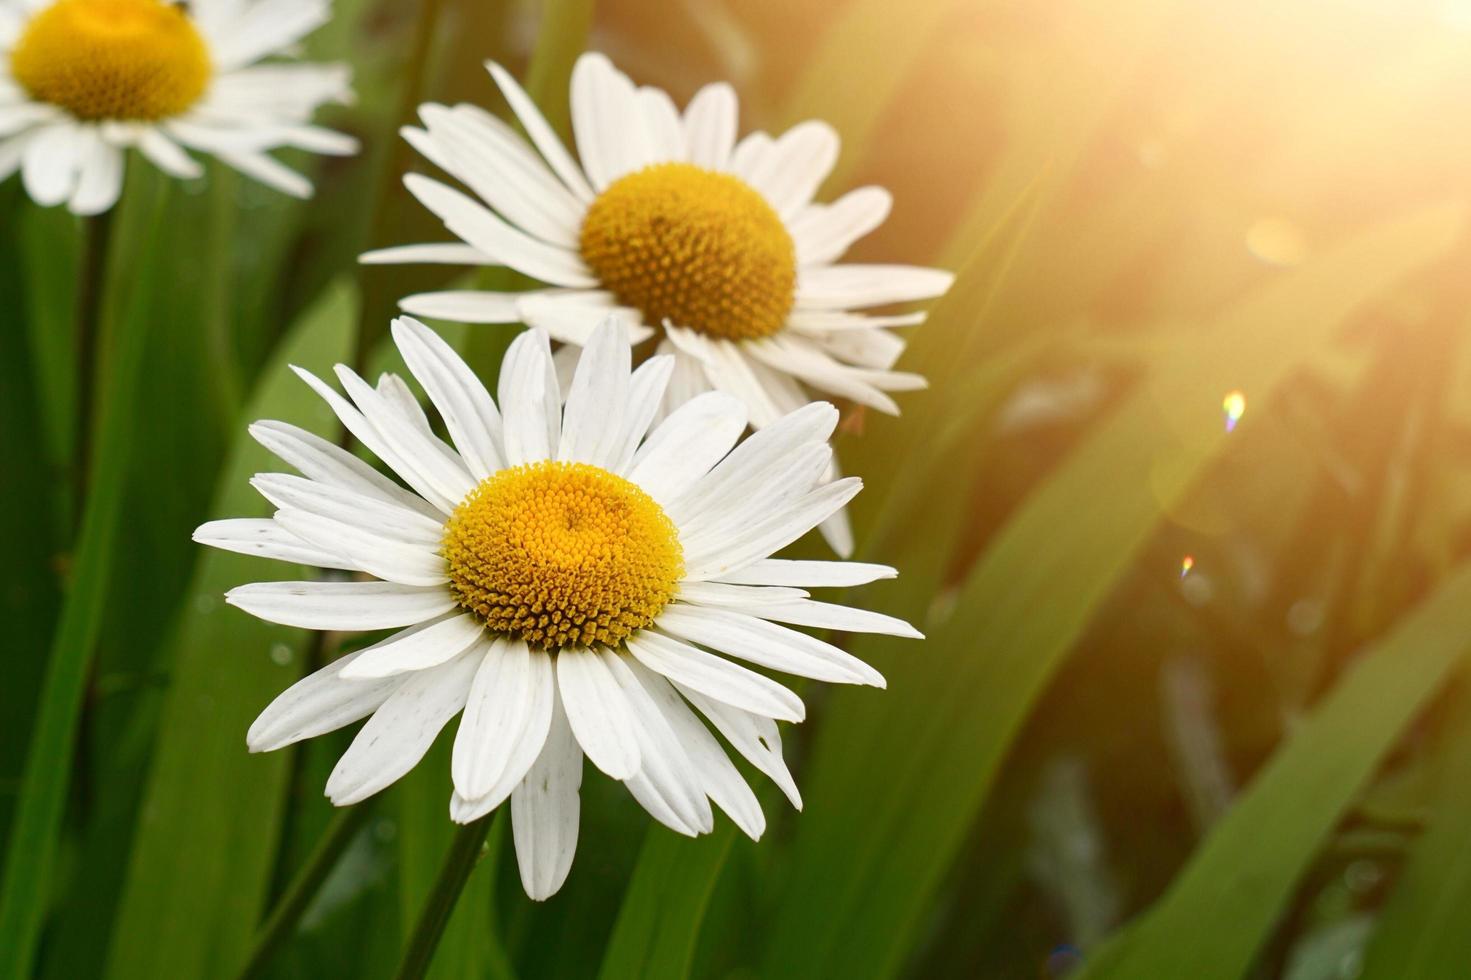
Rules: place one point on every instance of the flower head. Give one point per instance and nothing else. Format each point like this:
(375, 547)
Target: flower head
(83, 80)
(672, 225)
(568, 575)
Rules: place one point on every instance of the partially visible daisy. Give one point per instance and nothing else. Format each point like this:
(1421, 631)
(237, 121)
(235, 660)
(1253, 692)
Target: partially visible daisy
(672, 223)
(572, 581)
(83, 80)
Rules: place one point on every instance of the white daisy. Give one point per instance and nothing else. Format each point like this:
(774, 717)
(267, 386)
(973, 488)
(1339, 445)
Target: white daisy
(672, 223)
(572, 581)
(83, 80)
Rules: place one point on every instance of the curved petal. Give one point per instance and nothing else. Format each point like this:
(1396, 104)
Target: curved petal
(506, 720)
(341, 605)
(401, 731)
(545, 811)
(598, 710)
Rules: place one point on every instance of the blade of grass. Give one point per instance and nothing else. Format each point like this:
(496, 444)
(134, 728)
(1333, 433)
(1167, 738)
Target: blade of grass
(872, 860)
(1221, 909)
(204, 851)
(1422, 931)
(665, 905)
(26, 890)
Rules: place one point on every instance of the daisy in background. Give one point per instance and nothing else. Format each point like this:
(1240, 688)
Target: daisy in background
(83, 80)
(573, 582)
(670, 222)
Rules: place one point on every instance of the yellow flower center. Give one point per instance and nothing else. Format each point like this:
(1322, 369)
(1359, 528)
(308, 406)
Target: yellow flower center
(701, 249)
(562, 555)
(112, 59)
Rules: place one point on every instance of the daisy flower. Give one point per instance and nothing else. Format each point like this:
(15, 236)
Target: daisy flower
(671, 223)
(569, 577)
(83, 80)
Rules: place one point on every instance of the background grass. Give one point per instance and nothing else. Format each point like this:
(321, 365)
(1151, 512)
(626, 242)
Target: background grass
(1096, 765)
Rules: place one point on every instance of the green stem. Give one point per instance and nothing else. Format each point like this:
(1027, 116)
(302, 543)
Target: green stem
(464, 852)
(91, 286)
(284, 917)
(27, 885)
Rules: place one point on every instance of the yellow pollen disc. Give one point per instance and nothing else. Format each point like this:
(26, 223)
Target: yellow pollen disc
(112, 59)
(562, 554)
(699, 248)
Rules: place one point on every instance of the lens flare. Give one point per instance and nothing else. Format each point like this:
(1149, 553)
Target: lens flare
(1233, 406)
(1186, 563)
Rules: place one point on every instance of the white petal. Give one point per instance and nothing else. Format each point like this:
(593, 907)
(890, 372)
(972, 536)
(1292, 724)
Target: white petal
(497, 166)
(259, 166)
(541, 133)
(167, 155)
(749, 468)
(592, 684)
(463, 306)
(341, 605)
(331, 464)
(823, 232)
(347, 506)
(477, 225)
(710, 126)
(789, 174)
(319, 703)
(506, 720)
(607, 121)
(754, 737)
(50, 163)
(715, 676)
(530, 400)
(837, 531)
(728, 369)
(717, 775)
(592, 423)
(662, 124)
(834, 574)
(837, 287)
(767, 644)
(827, 615)
(437, 253)
(771, 535)
(469, 413)
(101, 179)
(438, 472)
(265, 28)
(401, 731)
(646, 393)
(265, 538)
(687, 444)
(417, 648)
(545, 811)
(383, 557)
(571, 316)
(667, 784)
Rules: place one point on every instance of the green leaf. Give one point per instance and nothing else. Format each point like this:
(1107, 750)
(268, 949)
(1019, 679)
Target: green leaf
(872, 860)
(1422, 931)
(1223, 906)
(205, 848)
(26, 892)
(665, 904)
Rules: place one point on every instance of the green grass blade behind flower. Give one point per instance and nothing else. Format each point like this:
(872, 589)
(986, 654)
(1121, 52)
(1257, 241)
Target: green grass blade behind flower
(29, 592)
(889, 39)
(560, 39)
(30, 857)
(1422, 931)
(1223, 906)
(204, 851)
(665, 904)
(870, 859)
